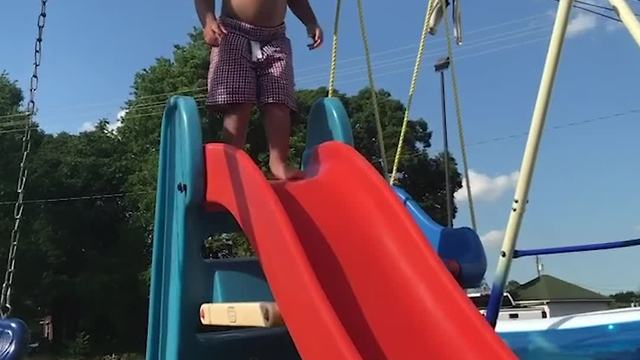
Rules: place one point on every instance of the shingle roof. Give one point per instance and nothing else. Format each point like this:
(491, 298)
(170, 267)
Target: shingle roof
(547, 287)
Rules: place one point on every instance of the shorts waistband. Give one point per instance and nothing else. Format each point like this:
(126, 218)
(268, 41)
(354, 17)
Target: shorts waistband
(252, 32)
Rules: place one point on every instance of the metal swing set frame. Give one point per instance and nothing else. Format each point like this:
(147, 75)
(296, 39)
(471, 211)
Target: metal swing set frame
(508, 252)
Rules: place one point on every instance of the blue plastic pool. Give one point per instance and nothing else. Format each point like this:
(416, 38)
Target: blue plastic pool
(619, 341)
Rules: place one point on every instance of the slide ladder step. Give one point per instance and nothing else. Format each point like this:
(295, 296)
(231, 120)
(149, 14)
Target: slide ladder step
(241, 314)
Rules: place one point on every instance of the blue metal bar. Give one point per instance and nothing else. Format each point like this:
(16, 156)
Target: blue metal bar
(576, 248)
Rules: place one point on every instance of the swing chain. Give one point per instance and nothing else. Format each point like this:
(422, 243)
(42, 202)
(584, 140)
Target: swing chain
(5, 299)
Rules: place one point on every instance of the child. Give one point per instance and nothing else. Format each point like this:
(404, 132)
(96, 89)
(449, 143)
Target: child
(251, 64)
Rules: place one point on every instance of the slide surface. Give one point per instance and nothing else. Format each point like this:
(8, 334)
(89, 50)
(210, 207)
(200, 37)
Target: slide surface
(349, 268)
(328, 121)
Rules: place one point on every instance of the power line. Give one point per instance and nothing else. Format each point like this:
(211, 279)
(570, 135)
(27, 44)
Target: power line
(78, 198)
(392, 62)
(466, 56)
(594, 5)
(560, 126)
(9, 116)
(415, 154)
(399, 59)
(597, 13)
(556, 127)
(383, 63)
(303, 70)
(12, 123)
(202, 96)
(354, 69)
(594, 12)
(608, 8)
(380, 64)
(413, 46)
(14, 130)
(403, 59)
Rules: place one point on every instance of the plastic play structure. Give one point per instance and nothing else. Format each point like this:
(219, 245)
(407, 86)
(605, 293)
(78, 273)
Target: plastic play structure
(348, 266)
(350, 270)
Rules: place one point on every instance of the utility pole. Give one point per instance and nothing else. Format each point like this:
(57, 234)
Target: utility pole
(539, 265)
(441, 65)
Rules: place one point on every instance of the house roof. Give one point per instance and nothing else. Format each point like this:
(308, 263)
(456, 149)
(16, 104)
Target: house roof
(549, 288)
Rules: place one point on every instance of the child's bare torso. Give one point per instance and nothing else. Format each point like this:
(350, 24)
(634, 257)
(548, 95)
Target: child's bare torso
(266, 13)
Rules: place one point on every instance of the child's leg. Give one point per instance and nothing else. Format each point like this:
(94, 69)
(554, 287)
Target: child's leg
(236, 123)
(232, 85)
(277, 122)
(277, 100)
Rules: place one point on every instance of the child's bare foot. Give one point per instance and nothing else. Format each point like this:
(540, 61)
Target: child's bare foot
(285, 172)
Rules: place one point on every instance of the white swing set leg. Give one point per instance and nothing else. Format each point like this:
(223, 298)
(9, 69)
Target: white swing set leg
(628, 18)
(539, 116)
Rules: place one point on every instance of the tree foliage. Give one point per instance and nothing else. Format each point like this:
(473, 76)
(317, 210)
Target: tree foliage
(626, 298)
(10, 95)
(81, 260)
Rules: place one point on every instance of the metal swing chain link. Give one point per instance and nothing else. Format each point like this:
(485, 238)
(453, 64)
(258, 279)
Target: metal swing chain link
(5, 299)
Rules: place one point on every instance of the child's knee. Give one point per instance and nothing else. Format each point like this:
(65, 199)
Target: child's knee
(276, 110)
(239, 111)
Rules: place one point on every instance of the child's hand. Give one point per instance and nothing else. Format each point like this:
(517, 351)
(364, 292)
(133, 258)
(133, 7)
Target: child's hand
(213, 32)
(315, 33)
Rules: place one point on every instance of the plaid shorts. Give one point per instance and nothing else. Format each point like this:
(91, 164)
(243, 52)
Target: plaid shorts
(251, 65)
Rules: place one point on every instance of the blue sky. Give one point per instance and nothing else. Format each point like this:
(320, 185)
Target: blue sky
(585, 187)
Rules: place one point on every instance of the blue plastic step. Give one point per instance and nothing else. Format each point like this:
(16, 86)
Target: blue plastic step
(243, 344)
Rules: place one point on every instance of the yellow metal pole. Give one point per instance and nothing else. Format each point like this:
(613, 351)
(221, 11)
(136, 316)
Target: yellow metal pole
(529, 159)
(630, 21)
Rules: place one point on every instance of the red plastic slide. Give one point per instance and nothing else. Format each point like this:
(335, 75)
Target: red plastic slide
(351, 272)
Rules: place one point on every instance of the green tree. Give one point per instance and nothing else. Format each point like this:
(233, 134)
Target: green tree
(10, 145)
(11, 149)
(79, 260)
(10, 95)
(185, 74)
(626, 297)
(88, 255)
(421, 174)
